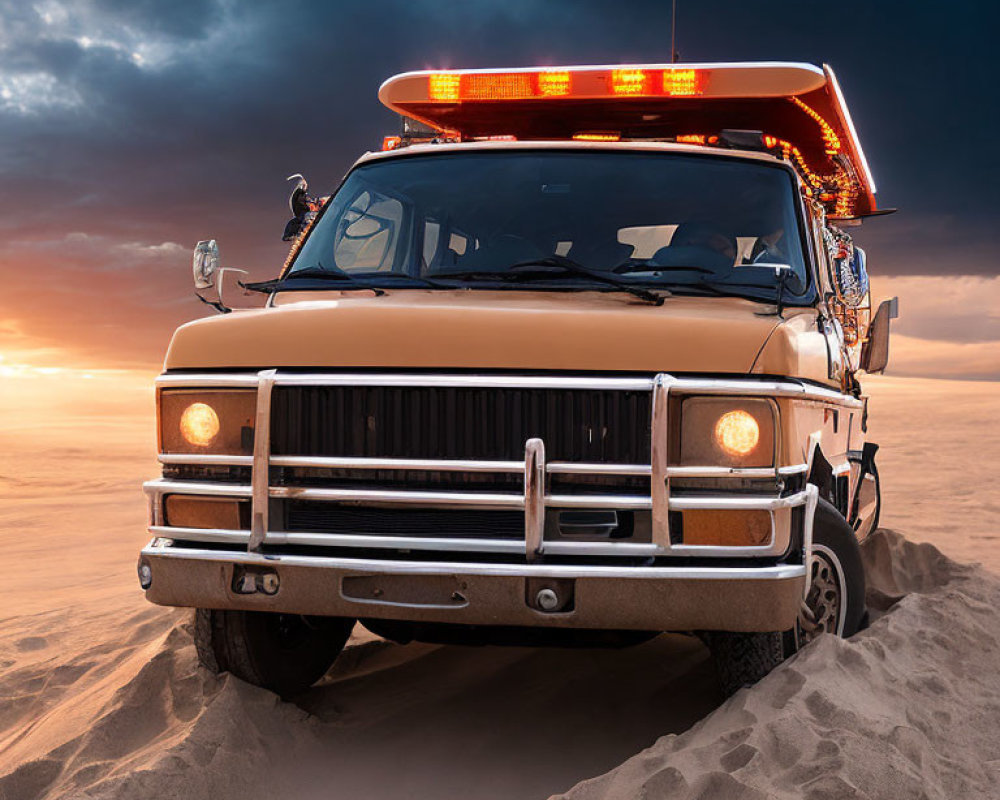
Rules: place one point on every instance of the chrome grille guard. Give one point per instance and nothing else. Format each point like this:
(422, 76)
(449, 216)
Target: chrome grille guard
(535, 469)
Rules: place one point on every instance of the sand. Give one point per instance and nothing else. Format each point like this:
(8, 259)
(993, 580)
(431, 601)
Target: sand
(909, 708)
(101, 697)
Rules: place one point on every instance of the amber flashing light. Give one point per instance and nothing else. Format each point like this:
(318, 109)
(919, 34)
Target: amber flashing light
(845, 190)
(554, 84)
(829, 136)
(443, 87)
(695, 138)
(508, 86)
(630, 82)
(682, 82)
(391, 142)
(597, 136)
(456, 87)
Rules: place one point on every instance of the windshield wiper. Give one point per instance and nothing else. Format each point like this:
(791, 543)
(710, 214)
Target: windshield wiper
(416, 279)
(521, 270)
(329, 275)
(312, 273)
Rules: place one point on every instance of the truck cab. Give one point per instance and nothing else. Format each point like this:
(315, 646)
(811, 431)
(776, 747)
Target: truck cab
(573, 360)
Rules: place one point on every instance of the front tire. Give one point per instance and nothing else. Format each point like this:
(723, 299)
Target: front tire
(286, 653)
(834, 604)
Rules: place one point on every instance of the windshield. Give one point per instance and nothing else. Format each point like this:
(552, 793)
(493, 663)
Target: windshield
(485, 219)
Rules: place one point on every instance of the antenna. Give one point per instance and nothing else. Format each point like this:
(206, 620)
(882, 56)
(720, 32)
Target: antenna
(673, 31)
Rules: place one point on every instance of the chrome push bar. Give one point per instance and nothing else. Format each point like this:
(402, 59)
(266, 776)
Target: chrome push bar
(532, 501)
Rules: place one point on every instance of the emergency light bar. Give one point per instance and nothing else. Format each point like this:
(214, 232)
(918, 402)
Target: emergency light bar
(799, 108)
(591, 83)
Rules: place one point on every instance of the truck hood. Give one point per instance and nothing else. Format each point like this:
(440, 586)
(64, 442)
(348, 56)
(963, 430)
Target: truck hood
(486, 330)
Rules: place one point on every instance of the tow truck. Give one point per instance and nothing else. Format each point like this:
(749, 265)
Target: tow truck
(572, 360)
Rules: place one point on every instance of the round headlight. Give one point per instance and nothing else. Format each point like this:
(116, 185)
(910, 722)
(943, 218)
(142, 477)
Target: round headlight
(199, 424)
(737, 433)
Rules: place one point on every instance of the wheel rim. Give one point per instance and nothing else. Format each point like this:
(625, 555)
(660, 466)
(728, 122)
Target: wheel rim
(824, 609)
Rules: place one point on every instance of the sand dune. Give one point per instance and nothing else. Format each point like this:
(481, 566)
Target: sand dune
(101, 697)
(906, 709)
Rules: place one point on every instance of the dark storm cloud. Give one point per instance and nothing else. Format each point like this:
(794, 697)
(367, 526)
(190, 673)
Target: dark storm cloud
(234, 96)
(163, 122)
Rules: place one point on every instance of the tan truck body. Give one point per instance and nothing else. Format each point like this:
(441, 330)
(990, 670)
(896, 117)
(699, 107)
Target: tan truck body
(231, 552)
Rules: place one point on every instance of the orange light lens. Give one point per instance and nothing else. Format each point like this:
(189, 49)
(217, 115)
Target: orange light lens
(597, 136)
(681, 82)
(724, 528)
(553, 84)
(737, 433)
(630, 82)
(199, 424)
(391, 142)
(443, 86)
(509, 86)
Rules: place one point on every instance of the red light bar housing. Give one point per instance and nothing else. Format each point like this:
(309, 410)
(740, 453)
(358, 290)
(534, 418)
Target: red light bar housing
(798, 106)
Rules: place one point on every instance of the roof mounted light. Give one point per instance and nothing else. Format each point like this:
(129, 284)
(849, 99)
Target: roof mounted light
(462, 86)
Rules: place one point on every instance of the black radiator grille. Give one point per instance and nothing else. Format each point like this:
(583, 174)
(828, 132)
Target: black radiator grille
(460, 423)
(304, 515)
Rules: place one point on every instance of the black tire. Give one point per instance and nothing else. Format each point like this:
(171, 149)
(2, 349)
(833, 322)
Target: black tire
(286, 653)
(742, 659)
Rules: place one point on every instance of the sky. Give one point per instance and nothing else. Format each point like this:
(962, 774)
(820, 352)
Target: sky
(130, 129)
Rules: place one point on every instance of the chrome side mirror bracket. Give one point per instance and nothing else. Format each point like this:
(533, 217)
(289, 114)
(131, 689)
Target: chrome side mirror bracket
(209, 275)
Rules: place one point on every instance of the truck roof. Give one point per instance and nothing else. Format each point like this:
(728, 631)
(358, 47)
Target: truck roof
(799, 109)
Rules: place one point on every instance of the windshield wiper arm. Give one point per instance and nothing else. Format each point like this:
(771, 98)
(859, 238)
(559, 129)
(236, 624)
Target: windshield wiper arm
(572, 267)
(518, 271)
(419, 279)
(312, 273)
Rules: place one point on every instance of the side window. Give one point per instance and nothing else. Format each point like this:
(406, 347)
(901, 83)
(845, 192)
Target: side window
(368, 233)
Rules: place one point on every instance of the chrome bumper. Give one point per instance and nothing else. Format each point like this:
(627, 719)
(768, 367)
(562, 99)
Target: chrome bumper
(603, 597)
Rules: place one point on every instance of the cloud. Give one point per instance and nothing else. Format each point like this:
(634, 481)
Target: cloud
(130, 129)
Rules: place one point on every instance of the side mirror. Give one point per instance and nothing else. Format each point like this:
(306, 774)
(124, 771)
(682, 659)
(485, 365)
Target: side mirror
(206, 270)
(875, 350)
(205, 263)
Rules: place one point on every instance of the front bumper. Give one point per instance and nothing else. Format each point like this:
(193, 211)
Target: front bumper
(599, 597)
